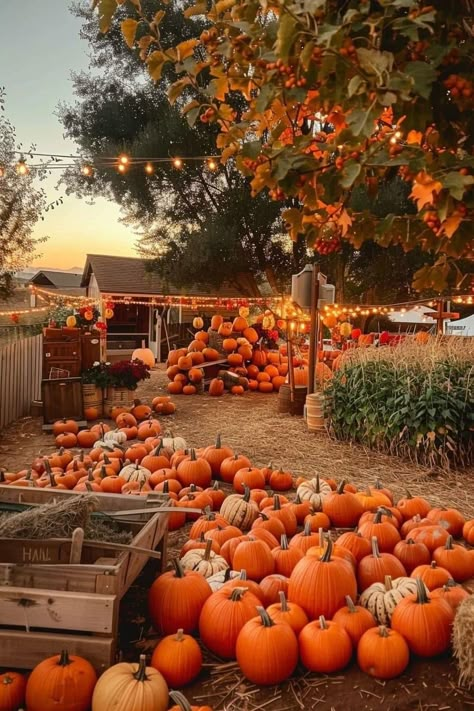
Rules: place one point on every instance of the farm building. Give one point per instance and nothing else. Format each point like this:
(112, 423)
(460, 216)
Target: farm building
(127, 280)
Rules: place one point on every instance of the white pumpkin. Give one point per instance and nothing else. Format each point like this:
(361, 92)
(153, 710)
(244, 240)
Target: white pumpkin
(106, 445)
(169, 441)
(115, 436)
(204, 561)
(314, 491)
(135, 472)
(239, 510)
(382, 598)
(219, 579)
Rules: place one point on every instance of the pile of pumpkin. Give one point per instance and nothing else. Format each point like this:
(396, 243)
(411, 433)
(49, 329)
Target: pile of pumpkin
(266, 571)
(252, 367)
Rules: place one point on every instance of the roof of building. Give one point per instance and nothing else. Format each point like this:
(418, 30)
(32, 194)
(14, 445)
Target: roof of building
(129, 275)
(56, 279)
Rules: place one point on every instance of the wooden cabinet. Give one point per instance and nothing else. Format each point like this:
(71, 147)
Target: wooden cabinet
(92, 348)
(62, 398)
(64, 355)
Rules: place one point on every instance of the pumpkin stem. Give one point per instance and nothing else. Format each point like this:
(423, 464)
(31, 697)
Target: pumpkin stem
(388, 582)
(140, 674)
(284, 542)
(89, 487)
(451, 583)
(207, 552)
(283, 603)
(326, 557)
(378, 484)
(178, 568)
(166, 487)
(64, 660)
(322, 622)
(383, 631)
(321, 537)
(408, 495)
(179, 635)
(52, 480)
(180, 700)
(375, 547)
(422, 597)
(297, 499)
(243, 574)
(265, 617)
(193, 455)
(317, 489)
(2, 476)
(237, 594)
(276, 503)
(218, 441)
(209, 514)
(378, 516)
(307, 529)
(350, 603)
(340, 488)
(7, 679)
(226, 574)
(449, 543)
(216, 486)
(434, 564)
(246, 494)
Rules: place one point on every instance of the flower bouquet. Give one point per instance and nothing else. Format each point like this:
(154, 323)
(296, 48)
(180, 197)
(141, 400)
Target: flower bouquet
(128, 373)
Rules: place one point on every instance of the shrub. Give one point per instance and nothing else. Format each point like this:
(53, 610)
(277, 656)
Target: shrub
(413, 400)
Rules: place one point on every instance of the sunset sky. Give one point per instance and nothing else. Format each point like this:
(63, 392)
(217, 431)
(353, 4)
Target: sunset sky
(39, 47)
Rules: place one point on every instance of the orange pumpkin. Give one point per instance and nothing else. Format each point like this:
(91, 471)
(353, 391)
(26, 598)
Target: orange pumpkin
(265, 387)
(175, 388)
(225, 329)
(196, 346)
(250, 334)
(210, 354)
(189, 390)
(229, 345)
(216, 387)
(240, 324)
(237, 390)
(216, 321)
(195, 375)
(202, 336)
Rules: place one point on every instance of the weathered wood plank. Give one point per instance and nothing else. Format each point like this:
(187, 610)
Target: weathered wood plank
(25, 650)
(20, 377)
(57, 610)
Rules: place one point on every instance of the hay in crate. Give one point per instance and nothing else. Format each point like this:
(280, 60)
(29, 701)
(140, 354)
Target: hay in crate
(463, 636)
(53, 520)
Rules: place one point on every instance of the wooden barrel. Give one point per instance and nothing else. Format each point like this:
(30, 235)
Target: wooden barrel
(285, 404)
(314, 412)
(92, 396)
(117, 397)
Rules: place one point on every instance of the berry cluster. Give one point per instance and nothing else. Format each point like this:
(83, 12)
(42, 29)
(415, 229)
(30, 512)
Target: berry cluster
(459, 88)
(209, 115)
(287, 71)
(327, 246)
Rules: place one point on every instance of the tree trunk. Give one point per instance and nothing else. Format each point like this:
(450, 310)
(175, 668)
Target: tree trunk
(339, 275)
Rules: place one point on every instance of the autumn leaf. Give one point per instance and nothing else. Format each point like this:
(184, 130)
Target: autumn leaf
(338, 120)
(414, 138)
(293, 220)
(155, 63)
(423, 189)
(223, 6)
(199, 9)
(185, 49)
(107, 9)
(344, 221)
(129, 30)
(450, 225)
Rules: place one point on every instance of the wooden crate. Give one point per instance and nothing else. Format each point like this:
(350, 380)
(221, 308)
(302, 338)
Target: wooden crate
(47, 604)
(62, 398)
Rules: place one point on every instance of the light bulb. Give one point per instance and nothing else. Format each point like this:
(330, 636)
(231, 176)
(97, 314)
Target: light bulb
(211, 164)
(86, 170)
(149, 169)
(177, 162)
(121, 168)
(22, 168)
(123, 159)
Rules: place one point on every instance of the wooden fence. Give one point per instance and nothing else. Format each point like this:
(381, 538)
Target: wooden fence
(20, 377)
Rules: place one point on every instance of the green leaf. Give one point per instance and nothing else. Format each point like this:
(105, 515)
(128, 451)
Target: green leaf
(265, 97)
(156, 62)
(251, 149)
(357, 85)
(286, 36)
(456, 184)
(327, 33)
(306, 54)
(362, 122)
(384, 225)
(374, 62)
(129, 31)
(350, 172)
(424, 75)
(107, 10)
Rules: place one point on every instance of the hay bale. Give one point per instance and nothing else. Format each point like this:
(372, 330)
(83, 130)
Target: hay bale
(55, 520)
(463, 636)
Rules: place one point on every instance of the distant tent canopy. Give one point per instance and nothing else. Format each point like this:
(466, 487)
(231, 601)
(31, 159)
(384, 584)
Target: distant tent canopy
(464, 327)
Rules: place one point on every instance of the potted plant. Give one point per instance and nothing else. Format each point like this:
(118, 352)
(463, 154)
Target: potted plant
(124, 376)
(95, 381)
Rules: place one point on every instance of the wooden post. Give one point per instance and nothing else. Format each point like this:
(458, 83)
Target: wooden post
(158, 336)
(289, 352)
(103, 341)
(314, 330)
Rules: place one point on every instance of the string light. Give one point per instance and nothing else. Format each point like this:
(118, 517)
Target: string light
(22, 168)
(211, 164)
(24, 311)
(123, 159)
(122, 168)
(149, 169)
(177, 163)
(87, 170)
